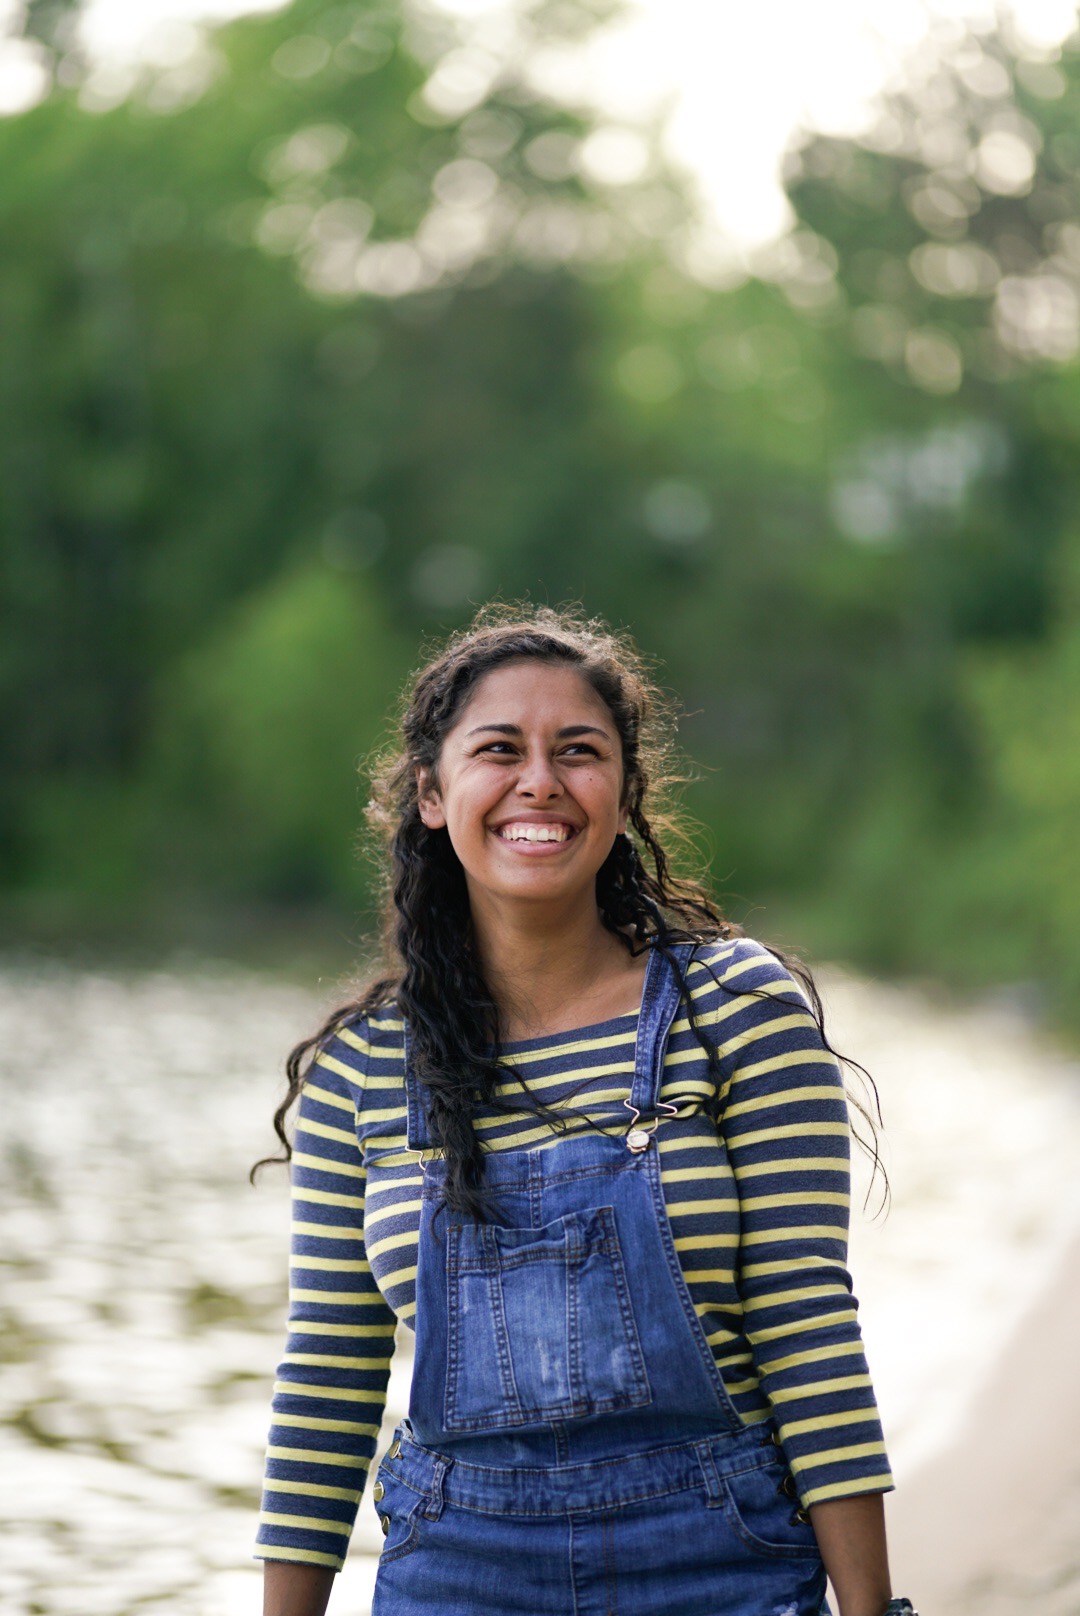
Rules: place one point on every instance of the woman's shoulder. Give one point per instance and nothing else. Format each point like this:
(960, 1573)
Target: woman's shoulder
(759, 1015)
(364, 1040)
(742, 965)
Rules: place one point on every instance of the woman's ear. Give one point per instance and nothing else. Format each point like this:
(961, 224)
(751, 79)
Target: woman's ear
(429, 801)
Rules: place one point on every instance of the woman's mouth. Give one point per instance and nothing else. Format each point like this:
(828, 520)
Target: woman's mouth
(527, 834)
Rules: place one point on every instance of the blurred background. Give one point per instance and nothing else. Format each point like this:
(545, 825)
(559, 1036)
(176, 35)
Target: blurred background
(321, 324)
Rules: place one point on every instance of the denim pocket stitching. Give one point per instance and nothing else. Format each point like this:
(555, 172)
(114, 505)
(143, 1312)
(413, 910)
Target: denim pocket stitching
(389, 1555)
(626, 1308)
(779, 1551)
(415, 1511)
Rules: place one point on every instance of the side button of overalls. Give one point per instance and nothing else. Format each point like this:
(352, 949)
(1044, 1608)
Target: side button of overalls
(384, 1522)
(377, 1492)
(394, 1449)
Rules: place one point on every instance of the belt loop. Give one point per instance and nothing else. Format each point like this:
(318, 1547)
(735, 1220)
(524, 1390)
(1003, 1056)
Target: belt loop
(713, 1486)
(435, 1498)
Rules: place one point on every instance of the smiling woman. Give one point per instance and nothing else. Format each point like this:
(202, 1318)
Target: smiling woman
(590, 1143)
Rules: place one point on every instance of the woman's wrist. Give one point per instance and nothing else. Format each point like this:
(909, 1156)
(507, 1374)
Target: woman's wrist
(851, 1537)
(293, 1589)
(898, 1606)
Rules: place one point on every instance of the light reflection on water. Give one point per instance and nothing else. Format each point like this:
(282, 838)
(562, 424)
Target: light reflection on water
(143, 1304)
(143, 1301)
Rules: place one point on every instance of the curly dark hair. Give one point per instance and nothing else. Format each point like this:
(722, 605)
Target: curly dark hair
(431, 969)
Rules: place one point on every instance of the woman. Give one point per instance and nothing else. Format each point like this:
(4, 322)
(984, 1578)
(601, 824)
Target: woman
(588, 1141)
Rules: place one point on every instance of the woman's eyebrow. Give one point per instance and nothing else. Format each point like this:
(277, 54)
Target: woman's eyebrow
(561, 735)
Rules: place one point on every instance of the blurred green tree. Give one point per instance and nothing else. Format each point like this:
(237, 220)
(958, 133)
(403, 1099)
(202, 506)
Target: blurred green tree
(258, 734)
(338, 325)
(952, 232)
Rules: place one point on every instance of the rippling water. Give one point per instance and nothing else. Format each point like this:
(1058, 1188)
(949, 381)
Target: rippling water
(143, 1302)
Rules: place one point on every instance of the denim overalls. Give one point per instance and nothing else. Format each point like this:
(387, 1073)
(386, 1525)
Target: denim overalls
(570, 1448)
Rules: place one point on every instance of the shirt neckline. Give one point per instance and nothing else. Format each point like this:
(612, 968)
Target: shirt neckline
(572, 1035)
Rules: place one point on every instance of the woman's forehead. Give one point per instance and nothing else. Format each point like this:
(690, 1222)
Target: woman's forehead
(529, 692)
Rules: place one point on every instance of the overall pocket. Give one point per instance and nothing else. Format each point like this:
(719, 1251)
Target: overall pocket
(540, 1324)
(399, 1510)
(760, 1505)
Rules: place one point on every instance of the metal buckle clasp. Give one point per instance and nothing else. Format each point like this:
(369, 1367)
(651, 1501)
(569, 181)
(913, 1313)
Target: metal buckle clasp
(637, 1139)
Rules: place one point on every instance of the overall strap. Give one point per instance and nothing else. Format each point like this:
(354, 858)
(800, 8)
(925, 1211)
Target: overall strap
(417, 1134)
(659, 1002)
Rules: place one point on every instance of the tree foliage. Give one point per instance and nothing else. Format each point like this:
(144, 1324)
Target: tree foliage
(316, 339)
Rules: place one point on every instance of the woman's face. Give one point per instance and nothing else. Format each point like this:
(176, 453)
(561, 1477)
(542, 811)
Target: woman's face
(530, 785)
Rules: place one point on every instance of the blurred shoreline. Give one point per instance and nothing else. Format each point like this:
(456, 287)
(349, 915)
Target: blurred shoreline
(301, 943)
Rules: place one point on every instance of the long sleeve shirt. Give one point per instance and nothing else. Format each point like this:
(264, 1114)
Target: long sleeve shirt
(763, 1252)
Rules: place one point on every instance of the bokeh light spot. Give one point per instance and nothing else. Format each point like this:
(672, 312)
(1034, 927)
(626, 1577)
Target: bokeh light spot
(676, 512)
(301, 57)
(1004, 163)
(933, 360)
(448, 575)
(649, 373)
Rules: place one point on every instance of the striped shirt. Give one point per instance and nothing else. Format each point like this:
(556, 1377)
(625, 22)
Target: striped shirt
(762, 1241)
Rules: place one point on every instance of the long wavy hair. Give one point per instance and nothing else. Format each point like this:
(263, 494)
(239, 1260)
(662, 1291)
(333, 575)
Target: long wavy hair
(430, 966)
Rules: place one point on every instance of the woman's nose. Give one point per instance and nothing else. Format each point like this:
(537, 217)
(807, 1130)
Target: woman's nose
(538, 779)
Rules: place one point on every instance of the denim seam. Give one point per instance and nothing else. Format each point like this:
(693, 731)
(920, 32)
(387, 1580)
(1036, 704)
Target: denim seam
(527, 1255)
(575, 1251)
(570, 1564)
(604, 1506)
(583, 1467)
(602, 1170)
(610, 1570)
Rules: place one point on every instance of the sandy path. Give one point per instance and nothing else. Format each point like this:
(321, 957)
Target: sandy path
(970, 1297)
(991, 1527)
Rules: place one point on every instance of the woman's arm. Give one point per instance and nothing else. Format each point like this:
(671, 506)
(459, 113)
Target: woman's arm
(851, 1537)
(331, 1384)
(295, 1590)
(785, 1125)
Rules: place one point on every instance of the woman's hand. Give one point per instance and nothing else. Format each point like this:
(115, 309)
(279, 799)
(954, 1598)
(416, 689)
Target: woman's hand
(851, 1537)
(290, 1589)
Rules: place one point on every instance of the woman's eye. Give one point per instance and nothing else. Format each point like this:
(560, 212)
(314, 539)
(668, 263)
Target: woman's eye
(508, 749)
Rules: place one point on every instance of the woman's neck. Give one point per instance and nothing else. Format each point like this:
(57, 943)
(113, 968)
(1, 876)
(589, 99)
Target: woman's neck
(550, 974)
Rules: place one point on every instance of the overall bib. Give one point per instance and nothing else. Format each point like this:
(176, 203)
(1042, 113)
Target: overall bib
(570, 1448)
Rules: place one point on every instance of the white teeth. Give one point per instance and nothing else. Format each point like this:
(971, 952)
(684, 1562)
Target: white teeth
(534, 833)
